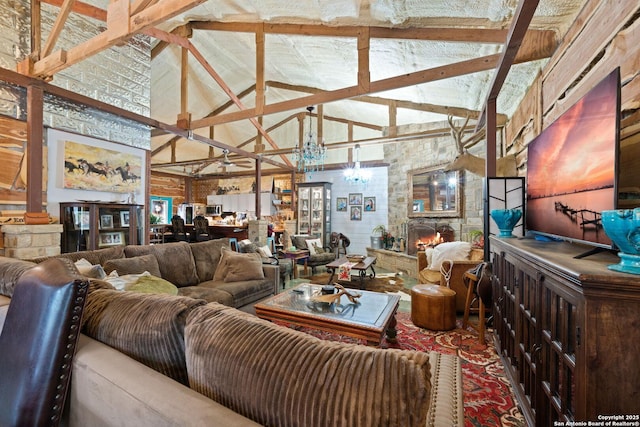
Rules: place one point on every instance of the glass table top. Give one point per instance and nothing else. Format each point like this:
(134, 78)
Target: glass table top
(372, 308)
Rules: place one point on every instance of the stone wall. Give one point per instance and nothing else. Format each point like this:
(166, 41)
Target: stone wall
(406, 156)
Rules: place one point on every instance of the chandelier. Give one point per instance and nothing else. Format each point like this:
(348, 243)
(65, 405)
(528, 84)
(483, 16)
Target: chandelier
(311, 157)
(355, 174)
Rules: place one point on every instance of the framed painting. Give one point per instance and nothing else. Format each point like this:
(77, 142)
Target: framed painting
(87, 167)
(341, 204)
(355, 198)
(369, 204)
(356, 213)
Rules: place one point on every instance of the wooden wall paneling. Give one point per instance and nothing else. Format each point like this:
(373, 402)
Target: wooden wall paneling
(596, 33)
(10, 170)
(623, 51)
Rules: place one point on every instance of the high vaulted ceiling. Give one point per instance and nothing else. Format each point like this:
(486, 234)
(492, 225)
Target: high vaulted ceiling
(237, 71)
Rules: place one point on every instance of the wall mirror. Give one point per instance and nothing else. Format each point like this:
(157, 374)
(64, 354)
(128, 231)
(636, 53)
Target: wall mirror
(434, 192)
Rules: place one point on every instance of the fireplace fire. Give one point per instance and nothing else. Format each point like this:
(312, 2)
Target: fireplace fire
(421, 234)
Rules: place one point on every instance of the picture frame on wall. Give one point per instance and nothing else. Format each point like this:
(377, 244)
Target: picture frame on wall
(341, 204)
(355, 199)
(356, 213)
(124, 218)
(106, 221)
(369, 204)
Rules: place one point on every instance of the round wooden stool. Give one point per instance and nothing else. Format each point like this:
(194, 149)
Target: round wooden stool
(433, 307)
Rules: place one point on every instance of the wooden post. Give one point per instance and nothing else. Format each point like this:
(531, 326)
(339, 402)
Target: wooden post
(35, 105)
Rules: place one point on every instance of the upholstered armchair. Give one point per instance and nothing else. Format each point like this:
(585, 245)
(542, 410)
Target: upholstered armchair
(429, 272)
(318, 256)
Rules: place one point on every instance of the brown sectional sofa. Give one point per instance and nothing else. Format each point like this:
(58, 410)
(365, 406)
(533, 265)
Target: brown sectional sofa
(164, 360)
(189, 266)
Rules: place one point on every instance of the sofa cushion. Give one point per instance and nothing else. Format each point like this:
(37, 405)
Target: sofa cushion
(98, 256)
(207, 256)
(236, 359)
(10, 271)
(207, 293)
(147, 327)
(134, 265)
(175, 260)
(238, 266)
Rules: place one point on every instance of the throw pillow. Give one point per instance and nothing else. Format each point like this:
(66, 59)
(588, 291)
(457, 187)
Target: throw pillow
(89, 270)
(453, 251)
(311, 244)
(221, 269)
(134, 265)
(153, 285)
(243, 267)
(264, 251)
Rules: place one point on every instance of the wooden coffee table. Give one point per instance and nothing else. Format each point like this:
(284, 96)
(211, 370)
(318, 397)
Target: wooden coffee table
(361, 267)
(373, 317)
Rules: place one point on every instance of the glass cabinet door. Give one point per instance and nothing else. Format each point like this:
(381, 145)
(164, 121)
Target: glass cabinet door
(314, 210)
(304, 211)
(114, 223)
(77, 228)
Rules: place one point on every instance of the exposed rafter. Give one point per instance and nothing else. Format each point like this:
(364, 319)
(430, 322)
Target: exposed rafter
(121, 25)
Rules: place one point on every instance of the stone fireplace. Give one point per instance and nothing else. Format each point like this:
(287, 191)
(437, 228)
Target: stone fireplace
(424, 233)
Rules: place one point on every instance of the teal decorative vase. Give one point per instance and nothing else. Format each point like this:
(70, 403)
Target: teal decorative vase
(623, 228)
(506, 219)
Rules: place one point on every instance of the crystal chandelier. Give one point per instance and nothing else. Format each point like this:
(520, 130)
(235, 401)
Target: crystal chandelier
(355, 174)
(311, 157)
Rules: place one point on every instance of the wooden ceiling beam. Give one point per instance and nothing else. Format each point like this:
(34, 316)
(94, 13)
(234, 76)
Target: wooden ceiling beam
(509, 56)
(117, 32)
(212, 72)
(465, 35)
(61, 19)
(424, 76)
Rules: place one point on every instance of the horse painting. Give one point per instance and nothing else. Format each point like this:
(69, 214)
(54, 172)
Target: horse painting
(95, 168)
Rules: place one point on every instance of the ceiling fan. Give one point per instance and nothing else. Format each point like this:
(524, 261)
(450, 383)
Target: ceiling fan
(225, 162)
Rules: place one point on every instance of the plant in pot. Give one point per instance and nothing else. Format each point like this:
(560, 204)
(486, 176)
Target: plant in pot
(477, 239)
(376, 240)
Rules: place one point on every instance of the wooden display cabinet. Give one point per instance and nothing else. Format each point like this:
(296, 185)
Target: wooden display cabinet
(314, 210)
(567, 330)
(90, 226)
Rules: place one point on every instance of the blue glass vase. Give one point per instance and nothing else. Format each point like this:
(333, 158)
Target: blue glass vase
(623, 228)
(506, 219)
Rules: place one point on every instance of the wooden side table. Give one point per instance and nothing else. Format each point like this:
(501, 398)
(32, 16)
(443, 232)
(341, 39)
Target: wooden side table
(296, 255)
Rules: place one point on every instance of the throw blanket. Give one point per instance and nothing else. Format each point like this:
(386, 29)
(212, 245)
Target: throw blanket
(344, 271)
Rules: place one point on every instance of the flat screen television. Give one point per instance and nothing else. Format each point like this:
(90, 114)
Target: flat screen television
(572, 168)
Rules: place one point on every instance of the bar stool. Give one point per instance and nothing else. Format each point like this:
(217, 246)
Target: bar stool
(471, 278)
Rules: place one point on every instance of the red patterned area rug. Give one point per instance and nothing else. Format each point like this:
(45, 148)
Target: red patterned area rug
(488, 397)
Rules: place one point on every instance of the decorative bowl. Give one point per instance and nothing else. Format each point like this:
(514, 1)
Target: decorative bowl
(506, 219)
(623, 228)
